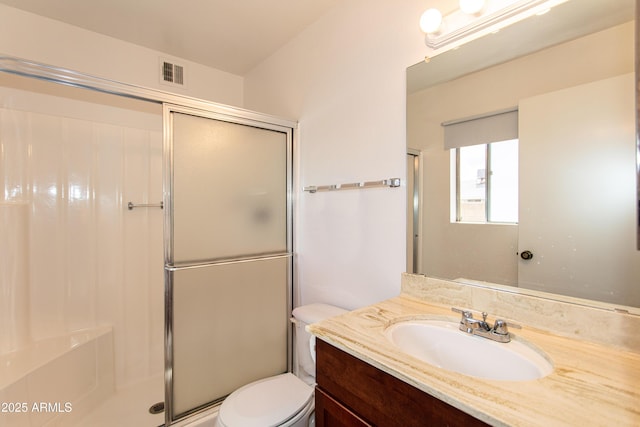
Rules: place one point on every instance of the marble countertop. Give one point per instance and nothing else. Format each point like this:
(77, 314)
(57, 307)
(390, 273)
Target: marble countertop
(592, 384)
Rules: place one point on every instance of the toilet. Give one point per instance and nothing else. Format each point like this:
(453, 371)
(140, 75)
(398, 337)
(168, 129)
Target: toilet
(285, 400)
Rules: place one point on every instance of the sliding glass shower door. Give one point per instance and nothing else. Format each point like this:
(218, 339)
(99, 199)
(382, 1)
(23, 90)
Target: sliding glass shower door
(227, 255)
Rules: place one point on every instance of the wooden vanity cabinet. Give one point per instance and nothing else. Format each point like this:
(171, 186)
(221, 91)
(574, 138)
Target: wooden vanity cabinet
(352, 393)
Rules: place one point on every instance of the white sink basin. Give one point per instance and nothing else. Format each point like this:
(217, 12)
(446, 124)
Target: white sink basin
(442, 344)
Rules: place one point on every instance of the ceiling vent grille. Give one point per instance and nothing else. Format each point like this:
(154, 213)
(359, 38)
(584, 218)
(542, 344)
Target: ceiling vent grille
(172, 73)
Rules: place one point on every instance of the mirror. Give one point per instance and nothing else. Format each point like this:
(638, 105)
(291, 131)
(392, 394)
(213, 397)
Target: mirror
(571, 76)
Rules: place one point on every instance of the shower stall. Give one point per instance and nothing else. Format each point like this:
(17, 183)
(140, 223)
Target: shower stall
(145, 250)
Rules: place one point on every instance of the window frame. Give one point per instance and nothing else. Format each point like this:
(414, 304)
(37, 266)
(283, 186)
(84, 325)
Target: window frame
(457, 216)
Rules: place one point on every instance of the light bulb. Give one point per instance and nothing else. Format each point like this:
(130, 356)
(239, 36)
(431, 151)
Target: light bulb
(471, 7)
(430, 21)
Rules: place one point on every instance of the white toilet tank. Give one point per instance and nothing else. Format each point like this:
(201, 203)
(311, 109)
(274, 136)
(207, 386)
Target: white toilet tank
(282, 400)
(305, 342)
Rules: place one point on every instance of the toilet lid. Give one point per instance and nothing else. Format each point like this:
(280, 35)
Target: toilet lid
(268, 402)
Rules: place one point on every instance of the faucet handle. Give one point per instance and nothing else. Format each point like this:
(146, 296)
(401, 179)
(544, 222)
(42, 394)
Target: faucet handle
(466, 314)
(502, 328)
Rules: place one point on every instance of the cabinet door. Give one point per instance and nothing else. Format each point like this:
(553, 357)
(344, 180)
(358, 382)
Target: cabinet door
(330, 413)
(380, 398)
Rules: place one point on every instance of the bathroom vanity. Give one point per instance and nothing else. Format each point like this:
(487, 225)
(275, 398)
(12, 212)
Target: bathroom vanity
(364, 379)
(350, 391)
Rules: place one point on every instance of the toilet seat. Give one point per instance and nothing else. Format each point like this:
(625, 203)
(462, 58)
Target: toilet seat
(269, 402)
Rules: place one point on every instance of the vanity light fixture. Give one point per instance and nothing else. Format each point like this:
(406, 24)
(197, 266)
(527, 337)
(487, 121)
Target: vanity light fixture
(471, 7)
(475, 19)
(431, 21)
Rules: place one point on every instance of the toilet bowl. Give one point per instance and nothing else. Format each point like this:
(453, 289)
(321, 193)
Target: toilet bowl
(284, 400)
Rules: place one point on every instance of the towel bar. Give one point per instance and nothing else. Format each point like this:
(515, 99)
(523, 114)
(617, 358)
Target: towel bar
(391, 182)
(131, 205)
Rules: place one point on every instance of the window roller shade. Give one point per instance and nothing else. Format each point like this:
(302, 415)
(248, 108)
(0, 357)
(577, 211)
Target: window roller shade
(484, 129)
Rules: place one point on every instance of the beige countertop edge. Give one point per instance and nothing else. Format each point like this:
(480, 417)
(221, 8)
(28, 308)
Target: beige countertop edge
(591, 384)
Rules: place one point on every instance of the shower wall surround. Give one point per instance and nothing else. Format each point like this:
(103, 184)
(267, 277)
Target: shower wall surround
(14, 276)
(91, 261)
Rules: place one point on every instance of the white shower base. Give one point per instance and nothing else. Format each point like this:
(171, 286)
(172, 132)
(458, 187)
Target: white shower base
(73, 377)
(128, 407)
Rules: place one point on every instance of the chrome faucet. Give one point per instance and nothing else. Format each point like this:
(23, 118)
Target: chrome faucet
(498, 332)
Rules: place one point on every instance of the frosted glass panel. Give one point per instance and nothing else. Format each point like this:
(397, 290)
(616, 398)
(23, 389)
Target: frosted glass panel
(230, 189)
(230, 328)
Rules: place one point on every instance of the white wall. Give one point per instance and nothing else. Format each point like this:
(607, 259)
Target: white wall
(344, 80)
(29, 36)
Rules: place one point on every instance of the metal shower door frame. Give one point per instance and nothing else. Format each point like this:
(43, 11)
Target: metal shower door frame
(170, 267)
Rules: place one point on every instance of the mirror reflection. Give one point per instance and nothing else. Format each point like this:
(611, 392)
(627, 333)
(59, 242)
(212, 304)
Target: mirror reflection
(570, 82)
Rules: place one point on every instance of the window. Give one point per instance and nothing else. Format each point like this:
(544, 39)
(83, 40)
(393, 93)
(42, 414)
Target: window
(483, 196)
(484, 159)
